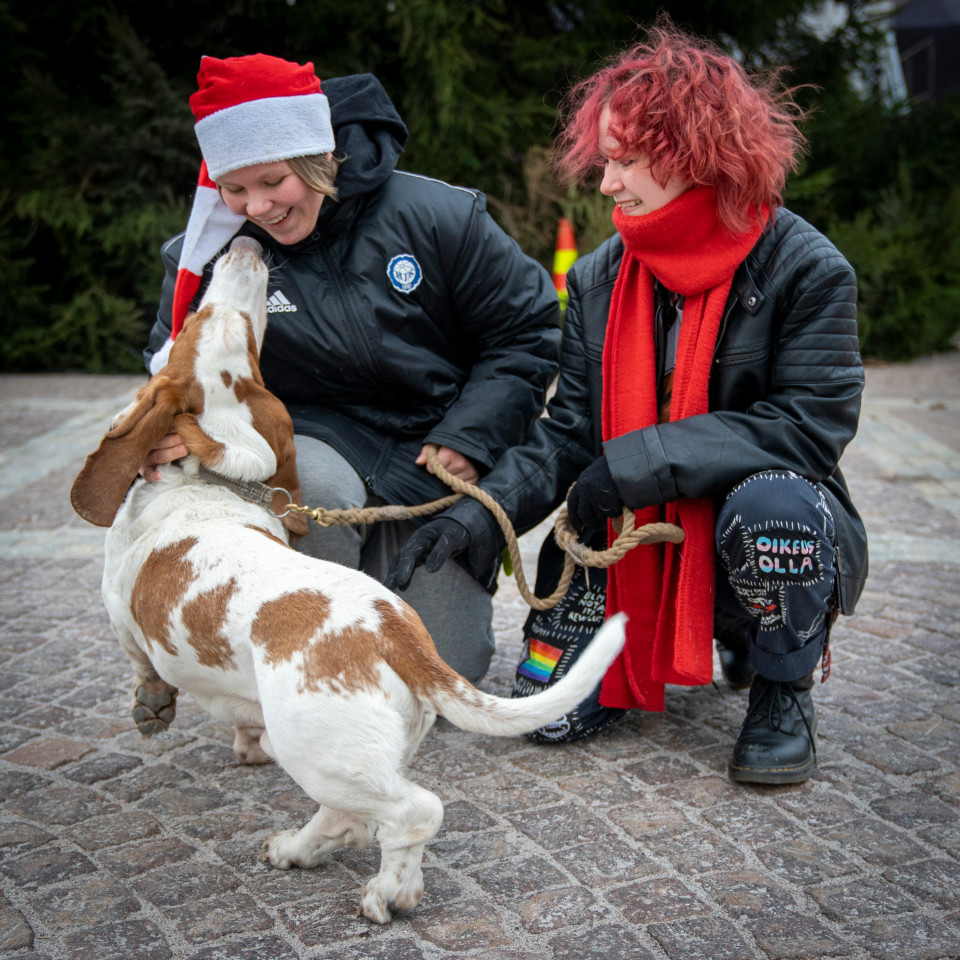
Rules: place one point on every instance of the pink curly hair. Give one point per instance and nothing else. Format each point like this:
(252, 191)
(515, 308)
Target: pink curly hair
(694, 113)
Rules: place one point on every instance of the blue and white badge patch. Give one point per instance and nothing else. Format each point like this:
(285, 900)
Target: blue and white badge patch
(404, 272)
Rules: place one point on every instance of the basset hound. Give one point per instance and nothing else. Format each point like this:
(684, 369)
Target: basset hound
(319, 667)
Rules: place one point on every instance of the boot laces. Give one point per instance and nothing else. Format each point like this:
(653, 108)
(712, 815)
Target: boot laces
(775, 698)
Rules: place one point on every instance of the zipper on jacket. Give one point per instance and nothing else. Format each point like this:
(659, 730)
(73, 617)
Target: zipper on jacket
(353, 330)
(723, 328)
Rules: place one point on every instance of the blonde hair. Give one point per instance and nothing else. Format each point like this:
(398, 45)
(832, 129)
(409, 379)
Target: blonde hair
(318, 172)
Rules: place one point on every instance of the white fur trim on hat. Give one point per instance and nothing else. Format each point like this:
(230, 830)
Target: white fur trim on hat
(265, 130)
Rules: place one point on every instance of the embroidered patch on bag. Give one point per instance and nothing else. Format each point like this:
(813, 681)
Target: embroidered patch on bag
(404, 272)
(541, 661)
(785, 553)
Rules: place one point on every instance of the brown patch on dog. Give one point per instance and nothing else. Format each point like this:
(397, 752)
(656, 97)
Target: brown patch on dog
(163, 579)
(410, 651)
(267, 534)
(287, 625)
(227, 377)
(204, 617)
(346, 660)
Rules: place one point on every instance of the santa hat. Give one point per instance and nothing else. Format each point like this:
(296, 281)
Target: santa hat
(249, 110)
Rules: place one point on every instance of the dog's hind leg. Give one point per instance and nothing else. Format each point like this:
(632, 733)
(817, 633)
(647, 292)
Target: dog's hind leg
(251, 744)
(404, 827)
(327, 831)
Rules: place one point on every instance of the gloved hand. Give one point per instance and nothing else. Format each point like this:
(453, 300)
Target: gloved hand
(593, 499)
(438, 541)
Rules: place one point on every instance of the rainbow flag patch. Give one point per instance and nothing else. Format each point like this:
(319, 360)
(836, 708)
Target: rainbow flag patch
(541, 662)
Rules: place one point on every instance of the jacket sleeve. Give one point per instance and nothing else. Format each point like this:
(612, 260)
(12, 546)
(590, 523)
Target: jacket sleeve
(531, 479)
(160, 331)
(804, 420)
(508, 317)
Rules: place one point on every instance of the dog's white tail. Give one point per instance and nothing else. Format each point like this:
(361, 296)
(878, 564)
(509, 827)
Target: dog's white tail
(474, 710)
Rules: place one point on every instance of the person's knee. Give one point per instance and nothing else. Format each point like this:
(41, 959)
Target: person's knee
(326, 478)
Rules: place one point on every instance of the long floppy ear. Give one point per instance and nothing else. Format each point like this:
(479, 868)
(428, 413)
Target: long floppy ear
(102, 484)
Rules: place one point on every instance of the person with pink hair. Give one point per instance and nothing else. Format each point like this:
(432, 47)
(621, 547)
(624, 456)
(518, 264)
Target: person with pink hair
(710, 377)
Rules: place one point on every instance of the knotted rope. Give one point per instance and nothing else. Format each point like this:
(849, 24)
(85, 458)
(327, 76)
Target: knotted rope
(575, 552)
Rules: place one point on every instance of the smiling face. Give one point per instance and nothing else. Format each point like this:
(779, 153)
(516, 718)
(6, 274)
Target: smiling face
(273, 197)
(629, 179)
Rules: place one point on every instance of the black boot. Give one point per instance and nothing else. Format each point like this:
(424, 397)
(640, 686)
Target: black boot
(735, 663)
(777, 742)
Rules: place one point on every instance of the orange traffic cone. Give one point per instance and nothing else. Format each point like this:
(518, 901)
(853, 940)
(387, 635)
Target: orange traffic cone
(563, 258)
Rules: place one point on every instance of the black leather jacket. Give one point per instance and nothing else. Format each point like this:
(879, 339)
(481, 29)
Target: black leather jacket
(459, 355)
(784, 395)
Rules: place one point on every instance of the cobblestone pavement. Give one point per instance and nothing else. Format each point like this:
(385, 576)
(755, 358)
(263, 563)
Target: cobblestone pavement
(633, 845)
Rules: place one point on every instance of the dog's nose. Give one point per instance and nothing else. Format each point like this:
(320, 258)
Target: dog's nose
(246, 243)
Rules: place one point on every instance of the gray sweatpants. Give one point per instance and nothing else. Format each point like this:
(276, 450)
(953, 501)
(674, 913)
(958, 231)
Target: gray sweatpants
(456, 610)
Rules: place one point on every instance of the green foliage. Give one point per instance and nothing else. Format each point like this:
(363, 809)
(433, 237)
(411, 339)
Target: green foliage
(98, 161)
(906, 253)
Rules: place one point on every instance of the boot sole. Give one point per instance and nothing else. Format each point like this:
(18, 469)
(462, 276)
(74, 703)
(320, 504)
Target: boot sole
(774, 775)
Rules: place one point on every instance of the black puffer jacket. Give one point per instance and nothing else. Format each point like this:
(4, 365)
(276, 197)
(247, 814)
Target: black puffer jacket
(459, 355)
(784, 395)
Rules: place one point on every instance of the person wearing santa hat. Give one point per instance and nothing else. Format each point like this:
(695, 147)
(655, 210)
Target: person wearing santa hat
(711, 377)
(399, 314)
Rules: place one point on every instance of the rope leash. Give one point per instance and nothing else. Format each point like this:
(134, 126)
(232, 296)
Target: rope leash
(575, 552)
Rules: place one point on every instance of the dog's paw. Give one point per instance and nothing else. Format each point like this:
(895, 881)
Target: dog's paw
(279, 850)
(373, 905)
(154, 705)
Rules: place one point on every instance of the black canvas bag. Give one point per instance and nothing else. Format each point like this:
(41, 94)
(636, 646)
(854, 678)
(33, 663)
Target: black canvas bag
(554, 639)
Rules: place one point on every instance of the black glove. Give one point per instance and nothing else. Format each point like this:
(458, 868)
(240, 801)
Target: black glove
(593, 499)
(439, 540)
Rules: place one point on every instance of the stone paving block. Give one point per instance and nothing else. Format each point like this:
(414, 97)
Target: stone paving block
(87, 900)
(914, 936)
(45, 866)
(746, 894)
(914, 809)
(118, 941)
(604, 942)
(459, 927)
(552, 909)
(17, 837)
(201, 921)
(854, 900)
(602, 789)
(803, 861)
(650, 821)
(934, 881)
(877, 842)
(462, 852)
(790, 935)
(15, 932)
(709, 939)
(507, 792)
(251, 947)
(508, 879)
(48, 753)
(393, 949)
(134, 859)
(606, 862)
(184, 883)
(655, 900)
(560, 826)
(700, 851)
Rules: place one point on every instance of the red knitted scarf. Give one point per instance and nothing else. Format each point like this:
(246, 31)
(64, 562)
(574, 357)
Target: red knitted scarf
(667, 590)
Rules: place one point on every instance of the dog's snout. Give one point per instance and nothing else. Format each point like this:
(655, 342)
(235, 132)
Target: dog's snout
(241, 244)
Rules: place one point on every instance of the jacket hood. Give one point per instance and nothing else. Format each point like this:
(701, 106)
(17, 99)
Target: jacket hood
(368, 132)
